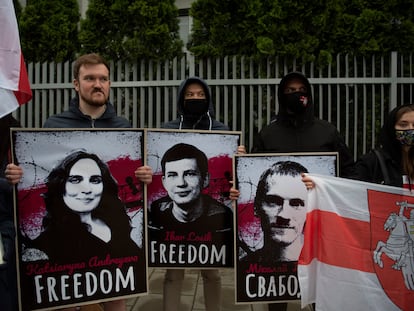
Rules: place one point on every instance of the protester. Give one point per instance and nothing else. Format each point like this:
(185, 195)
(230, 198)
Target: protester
(89, 109)
(395, 149)
(8, 272)
(296, 129)
(195, 111)
(392, 162)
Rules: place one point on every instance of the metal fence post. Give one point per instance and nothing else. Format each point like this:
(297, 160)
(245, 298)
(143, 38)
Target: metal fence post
(393, 80)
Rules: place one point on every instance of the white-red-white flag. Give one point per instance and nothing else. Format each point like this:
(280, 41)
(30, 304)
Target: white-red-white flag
(14, 83)
(358, 248)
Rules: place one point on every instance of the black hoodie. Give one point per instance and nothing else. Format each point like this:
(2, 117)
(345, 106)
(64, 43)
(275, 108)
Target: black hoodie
(368, 167)
(184, 121)
(302, 133)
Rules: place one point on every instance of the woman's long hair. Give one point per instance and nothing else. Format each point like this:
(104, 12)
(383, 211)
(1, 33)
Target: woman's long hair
(110, 209)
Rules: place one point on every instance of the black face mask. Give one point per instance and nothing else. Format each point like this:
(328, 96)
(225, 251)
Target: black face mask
(195, 107)
(296, 102)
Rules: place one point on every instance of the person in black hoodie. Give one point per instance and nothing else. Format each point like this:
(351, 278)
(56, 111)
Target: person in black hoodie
(392, 162)
(195, 107)
(395, 149)
(195, 111)
(296, 129)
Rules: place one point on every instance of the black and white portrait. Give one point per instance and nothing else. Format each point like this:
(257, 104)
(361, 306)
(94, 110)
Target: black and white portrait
(80, 213)
(270, 221)
(189, 208)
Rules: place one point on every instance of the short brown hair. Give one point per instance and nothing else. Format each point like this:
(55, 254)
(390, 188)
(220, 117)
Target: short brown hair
(88, 59)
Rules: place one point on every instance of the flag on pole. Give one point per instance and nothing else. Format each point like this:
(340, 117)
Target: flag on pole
(358, 248)
(14, 83)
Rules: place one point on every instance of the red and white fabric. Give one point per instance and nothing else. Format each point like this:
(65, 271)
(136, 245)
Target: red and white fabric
(358, 249)
(14, 83)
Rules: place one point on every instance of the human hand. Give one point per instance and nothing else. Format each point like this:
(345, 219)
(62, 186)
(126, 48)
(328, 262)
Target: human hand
(13, 173)
(234, 194)
(241, 149)
(307, 181)
(144, 174)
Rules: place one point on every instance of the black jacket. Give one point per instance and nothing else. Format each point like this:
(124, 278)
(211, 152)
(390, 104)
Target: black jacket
(302, 133)
(74, 118)
(368, 167)
(205, 122)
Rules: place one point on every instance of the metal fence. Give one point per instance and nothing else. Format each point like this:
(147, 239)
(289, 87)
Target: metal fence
(353, 93)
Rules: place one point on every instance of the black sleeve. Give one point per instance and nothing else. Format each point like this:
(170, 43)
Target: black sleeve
(258, 144)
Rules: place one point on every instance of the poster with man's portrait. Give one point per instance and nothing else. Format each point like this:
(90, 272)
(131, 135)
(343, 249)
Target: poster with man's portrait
(270, 220)
(80, 216)
(190, 218)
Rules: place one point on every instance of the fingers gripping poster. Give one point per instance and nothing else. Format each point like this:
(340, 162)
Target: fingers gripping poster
(80, 216)
(190, 218)
(270, 221)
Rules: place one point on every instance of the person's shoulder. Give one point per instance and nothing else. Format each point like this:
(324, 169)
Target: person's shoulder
(63, 119)
(119, 122)
(273, 128)
(219, 126)
(110, 119)
(324, 124)
(372, 155)
(273, 125)
(174, 124)
(325, 128)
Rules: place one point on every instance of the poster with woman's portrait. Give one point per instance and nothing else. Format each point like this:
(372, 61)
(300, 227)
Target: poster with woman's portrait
(80, 216)
(190, 218)
(270, 220)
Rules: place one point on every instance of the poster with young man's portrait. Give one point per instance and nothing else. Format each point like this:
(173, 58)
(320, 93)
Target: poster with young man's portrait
(190, 218)
(80, 216)
(270, 220)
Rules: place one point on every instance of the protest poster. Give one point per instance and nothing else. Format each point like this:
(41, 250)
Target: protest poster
(270, 221)
(80, 216)
(190, 218)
